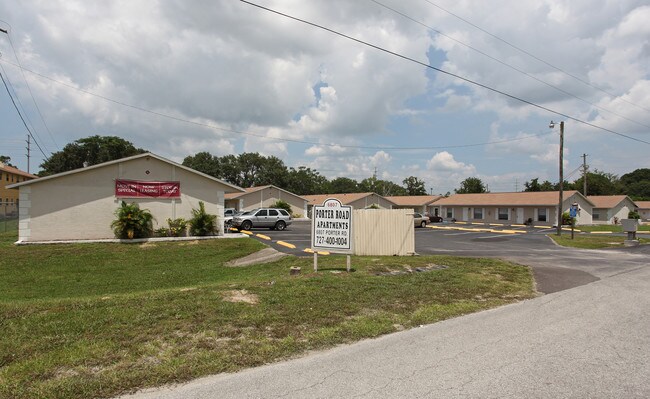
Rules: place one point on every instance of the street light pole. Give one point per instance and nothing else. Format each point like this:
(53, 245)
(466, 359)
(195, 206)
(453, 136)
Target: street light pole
(561, 186)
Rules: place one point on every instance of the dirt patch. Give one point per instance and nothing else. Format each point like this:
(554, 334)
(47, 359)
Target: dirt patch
(195, 242)
(147, 245)
(240, 296)
(406, 269)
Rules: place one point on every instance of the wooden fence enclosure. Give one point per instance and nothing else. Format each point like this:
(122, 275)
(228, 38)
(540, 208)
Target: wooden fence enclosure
(383, 232)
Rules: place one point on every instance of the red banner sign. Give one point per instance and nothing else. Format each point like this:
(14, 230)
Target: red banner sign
(147, 189)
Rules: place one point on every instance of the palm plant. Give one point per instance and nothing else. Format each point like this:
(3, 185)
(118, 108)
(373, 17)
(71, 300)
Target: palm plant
(132, 222)
(202, 223)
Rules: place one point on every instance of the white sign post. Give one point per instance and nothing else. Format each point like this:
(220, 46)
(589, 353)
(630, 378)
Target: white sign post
(331, 229)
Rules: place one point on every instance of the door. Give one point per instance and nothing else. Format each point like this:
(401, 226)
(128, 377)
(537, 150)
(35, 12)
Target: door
(274, 216)
(261, 218)
(520, 215)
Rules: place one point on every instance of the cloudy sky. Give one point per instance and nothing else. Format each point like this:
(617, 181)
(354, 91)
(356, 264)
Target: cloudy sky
(178, 77)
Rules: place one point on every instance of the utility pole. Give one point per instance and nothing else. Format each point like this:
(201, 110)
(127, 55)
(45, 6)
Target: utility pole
(29, 150)
(584, 174)
(561, 185)
(516, 185)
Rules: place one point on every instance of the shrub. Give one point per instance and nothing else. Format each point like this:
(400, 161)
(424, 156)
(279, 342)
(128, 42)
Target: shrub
(567, 219)
(177, 227)
(132, 222)
(282, 205)
(633, 215)
(202, 223)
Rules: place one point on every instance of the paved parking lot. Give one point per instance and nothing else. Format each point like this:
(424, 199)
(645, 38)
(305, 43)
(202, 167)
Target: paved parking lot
(555, 268)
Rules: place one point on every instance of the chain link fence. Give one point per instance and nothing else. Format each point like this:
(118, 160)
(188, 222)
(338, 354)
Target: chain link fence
(8, 217)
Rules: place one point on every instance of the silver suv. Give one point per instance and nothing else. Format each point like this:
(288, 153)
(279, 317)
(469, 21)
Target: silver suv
(273, 218)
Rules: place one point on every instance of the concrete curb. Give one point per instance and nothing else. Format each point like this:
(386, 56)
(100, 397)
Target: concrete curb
(134, 241)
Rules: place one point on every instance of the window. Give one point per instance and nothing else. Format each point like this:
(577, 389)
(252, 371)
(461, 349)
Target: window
(450, 212)
(503, 213)
(261, 213)
(283, 212)
(273, 212)
(596, 214)
(541, 214)
(478, 213)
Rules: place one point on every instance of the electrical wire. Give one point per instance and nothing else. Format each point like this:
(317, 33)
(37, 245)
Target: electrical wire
(537, 58)
(407, 58)
(214, 127)
(38, 109)
(21, 117)
(561, 90)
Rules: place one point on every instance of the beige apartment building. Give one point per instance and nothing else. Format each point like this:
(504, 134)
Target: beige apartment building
(264, 197)
(80, 204)
(9, 197)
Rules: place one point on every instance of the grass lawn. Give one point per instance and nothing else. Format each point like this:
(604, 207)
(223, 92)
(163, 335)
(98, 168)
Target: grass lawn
(616, 228)
(8, 225)
(97, 320)
(592, 241)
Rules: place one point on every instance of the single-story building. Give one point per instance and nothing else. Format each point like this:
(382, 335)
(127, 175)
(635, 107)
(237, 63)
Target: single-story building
(9, 198)
(356, 200)
(643, 207)
(539, 207)
(81, 203)
(264, 197)
(610, 209)
(424, 204)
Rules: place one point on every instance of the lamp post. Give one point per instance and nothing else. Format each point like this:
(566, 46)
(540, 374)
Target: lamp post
(561, 187)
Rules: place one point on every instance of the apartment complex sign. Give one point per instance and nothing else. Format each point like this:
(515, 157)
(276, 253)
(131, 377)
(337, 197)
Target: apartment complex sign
(332, 226)
(147, 189)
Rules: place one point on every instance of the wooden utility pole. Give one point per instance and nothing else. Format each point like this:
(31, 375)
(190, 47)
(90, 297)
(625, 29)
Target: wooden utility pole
(584, 174)
(561, 185)
(29, 150)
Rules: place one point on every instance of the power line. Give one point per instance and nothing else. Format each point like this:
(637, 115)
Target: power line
(38, 109)
(21, 116)
(509, 65)
(537, 58)
(443, 71)
(210, 126)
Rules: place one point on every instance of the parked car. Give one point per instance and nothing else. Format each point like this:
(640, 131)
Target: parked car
(273, 218)
(229, 214)
(435, 219)
(420, 220)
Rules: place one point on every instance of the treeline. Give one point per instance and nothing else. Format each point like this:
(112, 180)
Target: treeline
(251, 169)
(635, 184)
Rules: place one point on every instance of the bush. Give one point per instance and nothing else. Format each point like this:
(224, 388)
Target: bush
(633, 215)
(177, 227)
(282, 205)
(132, 222)
(202, 223)
(567, 219)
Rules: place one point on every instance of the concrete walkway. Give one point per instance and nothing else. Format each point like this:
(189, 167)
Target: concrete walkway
(592, 341)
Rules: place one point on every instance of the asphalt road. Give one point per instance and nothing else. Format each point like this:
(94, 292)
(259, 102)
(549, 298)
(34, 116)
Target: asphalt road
(590, 341)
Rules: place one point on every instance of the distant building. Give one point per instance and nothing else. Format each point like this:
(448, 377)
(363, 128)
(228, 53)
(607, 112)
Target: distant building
(424, 204)
(538, 207)
(610, 209)
(264, 197)
(643, 207)
(9, 199)
(356, 200)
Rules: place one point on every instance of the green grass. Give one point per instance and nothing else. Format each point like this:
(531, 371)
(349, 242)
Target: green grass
(592, 241)
(616, 228)
(8, 225)
(91, 320)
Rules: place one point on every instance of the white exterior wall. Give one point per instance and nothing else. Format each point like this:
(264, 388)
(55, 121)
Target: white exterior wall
(82, 205)
(267, 197)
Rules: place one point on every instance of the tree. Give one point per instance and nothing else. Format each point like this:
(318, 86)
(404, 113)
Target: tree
(471, 185)
(273, 172)
(305, 181)
(414, 186)
(343, 185)
(599, 183)
(636, 184)
(89, 151)
(533, 185)
(204, 162)
(6, 160)
(381, 187)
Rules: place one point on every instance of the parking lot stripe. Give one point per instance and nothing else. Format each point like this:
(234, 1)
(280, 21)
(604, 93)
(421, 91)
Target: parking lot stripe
(518, 225)
(263, 237)
(286, 244)
(601, 232)
(482, 238)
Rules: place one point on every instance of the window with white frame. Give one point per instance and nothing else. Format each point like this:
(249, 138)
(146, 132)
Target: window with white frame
(478, 213)
(450, 213)
(541, 215)
(503, 214)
